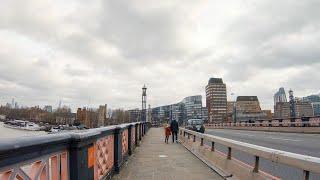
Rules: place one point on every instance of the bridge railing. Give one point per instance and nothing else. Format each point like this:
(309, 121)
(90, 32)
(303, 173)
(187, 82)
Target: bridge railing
(89, 154)
(297, 122)
(306, 163)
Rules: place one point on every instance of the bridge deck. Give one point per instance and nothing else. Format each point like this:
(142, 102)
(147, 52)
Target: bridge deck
(157, 160)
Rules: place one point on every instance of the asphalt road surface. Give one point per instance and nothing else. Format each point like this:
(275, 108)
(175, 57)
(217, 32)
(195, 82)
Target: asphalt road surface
(306, 144)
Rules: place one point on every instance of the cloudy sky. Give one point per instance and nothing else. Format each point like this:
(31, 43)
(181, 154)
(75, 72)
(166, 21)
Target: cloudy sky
(87, 53)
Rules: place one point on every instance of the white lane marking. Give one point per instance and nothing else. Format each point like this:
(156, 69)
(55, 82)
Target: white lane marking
(242, 134)
(270, 137)
(284, 139)
(163, 156)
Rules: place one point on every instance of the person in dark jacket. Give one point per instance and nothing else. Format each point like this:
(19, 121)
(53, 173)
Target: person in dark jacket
(174, 129)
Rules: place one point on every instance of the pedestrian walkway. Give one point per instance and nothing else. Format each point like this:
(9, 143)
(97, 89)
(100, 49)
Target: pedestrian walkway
(155, 160)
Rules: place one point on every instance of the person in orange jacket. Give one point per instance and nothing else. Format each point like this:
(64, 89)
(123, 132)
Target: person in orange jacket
(167, 131)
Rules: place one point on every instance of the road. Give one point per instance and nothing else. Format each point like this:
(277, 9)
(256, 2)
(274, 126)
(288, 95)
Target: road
(307, 144)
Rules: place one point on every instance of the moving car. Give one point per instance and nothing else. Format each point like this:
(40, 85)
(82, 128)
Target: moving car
(195, 125)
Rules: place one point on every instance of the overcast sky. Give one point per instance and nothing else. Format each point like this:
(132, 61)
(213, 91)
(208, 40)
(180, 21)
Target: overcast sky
(87, 53)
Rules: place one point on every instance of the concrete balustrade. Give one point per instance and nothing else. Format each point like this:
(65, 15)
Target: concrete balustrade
(229, 167)
(90, 154)
(308, 125)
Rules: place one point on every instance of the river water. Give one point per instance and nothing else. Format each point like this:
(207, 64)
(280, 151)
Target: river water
(15, 133)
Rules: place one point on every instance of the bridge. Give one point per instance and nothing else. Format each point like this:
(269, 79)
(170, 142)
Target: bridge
(137, 151)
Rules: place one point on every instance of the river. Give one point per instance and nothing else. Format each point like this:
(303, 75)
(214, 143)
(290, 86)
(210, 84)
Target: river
(15, 133)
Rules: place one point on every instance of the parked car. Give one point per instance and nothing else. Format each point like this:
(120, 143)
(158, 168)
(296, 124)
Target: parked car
(195, 125)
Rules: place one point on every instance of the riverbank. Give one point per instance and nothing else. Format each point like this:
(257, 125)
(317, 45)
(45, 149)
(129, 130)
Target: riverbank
(14, 133)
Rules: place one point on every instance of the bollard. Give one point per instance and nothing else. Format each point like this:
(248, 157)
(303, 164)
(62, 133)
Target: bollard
(256, 164)
(229, 153)
(306, 175)
(212, 146)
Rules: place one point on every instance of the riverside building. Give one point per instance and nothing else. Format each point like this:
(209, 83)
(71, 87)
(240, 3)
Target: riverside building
(216, 100)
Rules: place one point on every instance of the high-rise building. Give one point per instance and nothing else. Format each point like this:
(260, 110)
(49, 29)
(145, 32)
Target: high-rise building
(316, 108)
(304, 109)
(280, 96)
(89, 117)
(216, 98)
(205, 114)
(282, 110)
(134, 115)
(189, 108)
(312, 98)
(248, 109)
(315, 102)
(193, 107)
(102, 115)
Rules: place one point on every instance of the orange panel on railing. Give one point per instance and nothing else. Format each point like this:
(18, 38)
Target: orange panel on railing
(40, 168)
(104, 152)
(124, 142)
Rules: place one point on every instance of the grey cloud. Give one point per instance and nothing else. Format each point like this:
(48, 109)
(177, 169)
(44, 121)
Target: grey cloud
(104, 51)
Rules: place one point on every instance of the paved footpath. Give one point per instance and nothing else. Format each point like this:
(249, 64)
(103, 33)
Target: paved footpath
(155, 160)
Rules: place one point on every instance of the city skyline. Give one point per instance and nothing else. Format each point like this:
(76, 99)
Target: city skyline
(93, 106)
(51, 52)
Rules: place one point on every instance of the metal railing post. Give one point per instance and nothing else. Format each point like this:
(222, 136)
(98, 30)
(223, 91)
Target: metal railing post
(140, 131)
(306, 175)
(130, 139)
(212, 146)
(229, 153)
(117, 149)
(136, 134)
(256, 164)
(81, 159)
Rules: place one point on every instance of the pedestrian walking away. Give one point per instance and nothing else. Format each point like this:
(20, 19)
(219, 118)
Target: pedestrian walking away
(174, 126)
(167, 133)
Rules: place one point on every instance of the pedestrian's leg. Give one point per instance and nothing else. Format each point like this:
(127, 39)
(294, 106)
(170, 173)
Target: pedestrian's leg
(173, 137)
(176, 133)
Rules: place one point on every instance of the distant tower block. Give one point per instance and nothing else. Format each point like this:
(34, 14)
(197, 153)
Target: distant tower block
(292, 104)
(144, 104)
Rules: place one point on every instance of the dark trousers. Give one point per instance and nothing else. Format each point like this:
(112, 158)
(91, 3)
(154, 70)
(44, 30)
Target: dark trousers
(174, 135)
